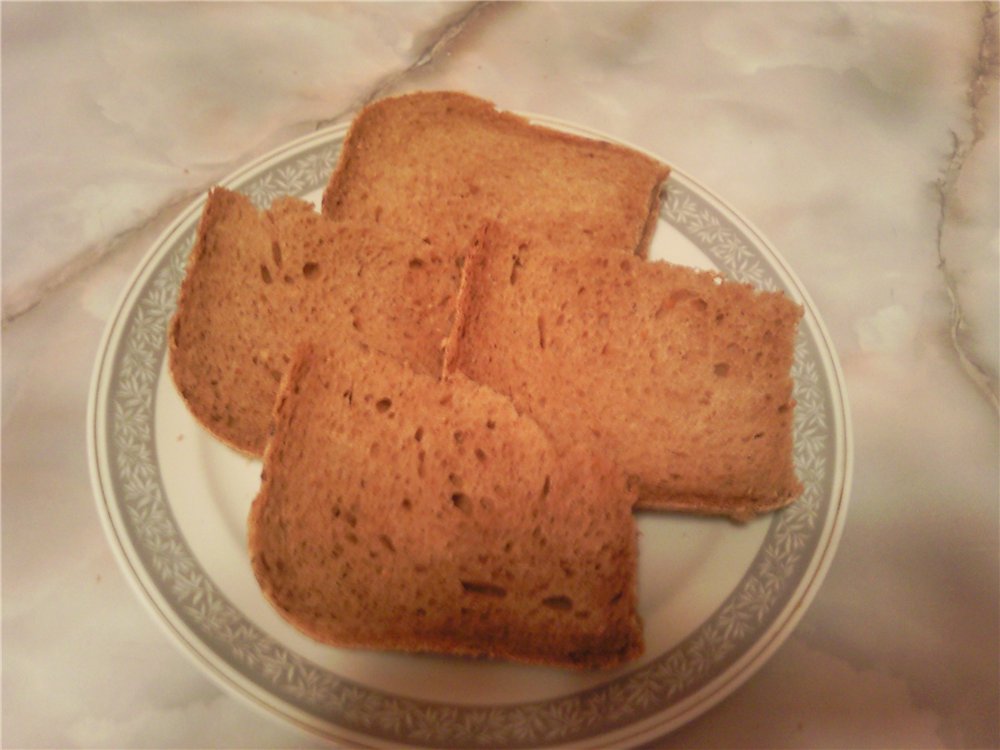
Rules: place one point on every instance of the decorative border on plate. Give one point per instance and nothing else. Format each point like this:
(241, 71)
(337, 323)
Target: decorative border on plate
(752, 607)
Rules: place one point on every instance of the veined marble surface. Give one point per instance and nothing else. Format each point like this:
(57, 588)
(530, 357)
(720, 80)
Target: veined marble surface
(860, 138)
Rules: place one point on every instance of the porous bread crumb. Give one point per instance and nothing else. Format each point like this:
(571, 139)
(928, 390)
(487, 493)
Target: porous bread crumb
(438, 164)
(680, 376)
(402, 512)
(260, 282)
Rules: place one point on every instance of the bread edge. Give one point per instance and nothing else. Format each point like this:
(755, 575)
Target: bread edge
(208, 218)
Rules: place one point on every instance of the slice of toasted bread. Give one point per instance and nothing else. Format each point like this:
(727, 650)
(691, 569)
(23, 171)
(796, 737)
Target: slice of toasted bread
(259, 282)
(439, 163)
(399, 511)
(681, 377)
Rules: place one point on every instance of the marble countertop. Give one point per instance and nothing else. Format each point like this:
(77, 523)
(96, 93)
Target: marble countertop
(860, 138)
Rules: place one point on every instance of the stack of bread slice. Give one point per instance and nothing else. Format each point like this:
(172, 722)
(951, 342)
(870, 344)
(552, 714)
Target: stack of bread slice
(682, 377)
(464, 374)
(260, 282)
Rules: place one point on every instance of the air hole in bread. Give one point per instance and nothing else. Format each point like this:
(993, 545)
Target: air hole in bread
(558, 602)
(263, 561)
(383, 405)
(455, 479)
(416, 263)
(783, 408)
(490, 424)
(537, 532)
(677, 297)
(406, 503)
(617, 597)
(265, 274)
(387, 542)
(515, 269)
(309, 270)
(541, 332)
(276, 253)
(546, 487)
(419, 434)
(461, 501)
(721, 369)
(458, 437)
(486, 589)
(481, 455)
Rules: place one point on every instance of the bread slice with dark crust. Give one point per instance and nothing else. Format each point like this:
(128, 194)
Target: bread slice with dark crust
(680, 376)
(398, 511)
(260, 282)
(440, 163)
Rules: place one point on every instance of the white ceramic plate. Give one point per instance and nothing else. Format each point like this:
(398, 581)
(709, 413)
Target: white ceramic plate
(716, 598)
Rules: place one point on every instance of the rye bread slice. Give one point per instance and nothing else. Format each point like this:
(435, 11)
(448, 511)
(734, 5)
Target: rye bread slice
(402, 512)
(438, 164)
(681, 377)
(260, 282)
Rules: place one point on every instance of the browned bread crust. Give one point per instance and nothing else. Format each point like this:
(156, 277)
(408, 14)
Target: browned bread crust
(260, 282)
(398, 511)
(439, 163)
(679, 376)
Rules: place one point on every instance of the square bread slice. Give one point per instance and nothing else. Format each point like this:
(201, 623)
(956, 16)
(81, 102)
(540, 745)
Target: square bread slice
(398, 511)
(440, 163)
(681, 377)
(260, 282)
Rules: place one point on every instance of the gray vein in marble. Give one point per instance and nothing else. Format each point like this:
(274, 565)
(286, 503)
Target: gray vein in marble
(984, 75)
(436, 42)
(89, 259)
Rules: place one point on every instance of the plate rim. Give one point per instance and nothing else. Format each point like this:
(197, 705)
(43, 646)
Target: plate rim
(650, 726)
